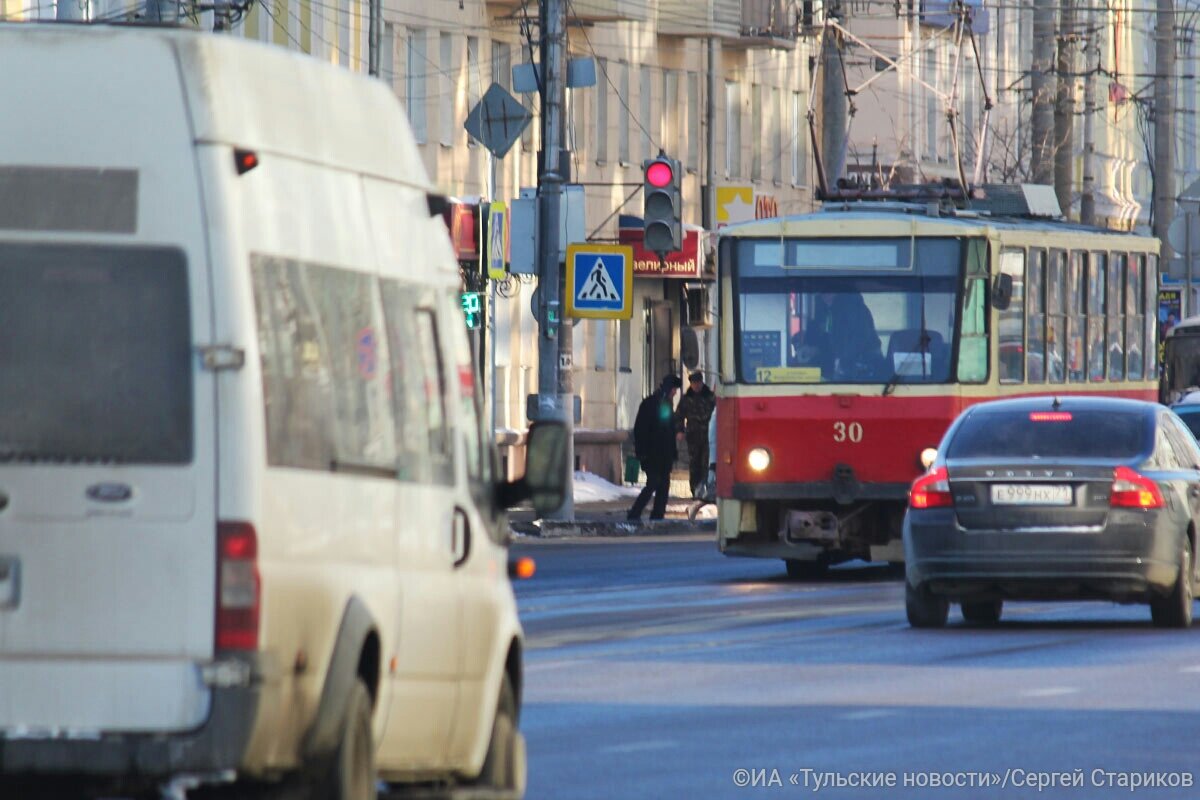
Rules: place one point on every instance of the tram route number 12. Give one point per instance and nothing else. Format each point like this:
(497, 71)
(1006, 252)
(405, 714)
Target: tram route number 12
(847, 432)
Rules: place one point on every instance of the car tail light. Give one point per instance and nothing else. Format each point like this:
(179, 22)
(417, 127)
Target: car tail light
(239, 589)
(1050, 416)
(1131, 489)
(931, 490)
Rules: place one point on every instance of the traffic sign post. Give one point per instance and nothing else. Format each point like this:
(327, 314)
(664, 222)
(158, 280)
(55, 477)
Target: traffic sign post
(599, 281)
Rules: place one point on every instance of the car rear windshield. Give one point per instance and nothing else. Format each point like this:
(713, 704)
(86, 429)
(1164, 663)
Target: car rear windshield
(1085, 434)
(95, 355)
(1191, 418)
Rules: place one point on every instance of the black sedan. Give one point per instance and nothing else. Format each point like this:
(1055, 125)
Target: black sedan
(1055, 498)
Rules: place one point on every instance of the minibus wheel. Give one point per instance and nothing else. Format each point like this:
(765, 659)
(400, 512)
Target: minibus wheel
(351, 772)
(504, 766)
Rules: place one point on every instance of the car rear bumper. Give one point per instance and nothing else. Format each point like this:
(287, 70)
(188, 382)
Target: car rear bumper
(216, 746)
(1125, 561)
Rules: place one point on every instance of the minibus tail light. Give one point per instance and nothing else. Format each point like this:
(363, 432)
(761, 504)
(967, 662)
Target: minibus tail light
(239, 587)
(931, 490)
(1131, 489)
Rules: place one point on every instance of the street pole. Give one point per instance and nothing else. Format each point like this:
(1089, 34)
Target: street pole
(374, 36)
(490, 378)
(1185, 305)
(833, 103)
(1164, 124)
(1087, 200)
(709, 205)
(554, 384)
(1064, 109)
(710, 139)
(1041, 164)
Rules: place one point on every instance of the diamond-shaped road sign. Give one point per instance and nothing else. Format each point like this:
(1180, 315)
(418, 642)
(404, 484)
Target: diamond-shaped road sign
(497, 120)
(599, 281)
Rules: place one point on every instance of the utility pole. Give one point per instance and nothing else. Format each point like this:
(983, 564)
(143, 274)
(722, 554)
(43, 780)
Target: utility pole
(1041, 162)
(1091, 60)
(1064, 109)
(374, 36)
(1164, 125)
(555, 389)
(833, 101)
(709, 208)
(710, 139)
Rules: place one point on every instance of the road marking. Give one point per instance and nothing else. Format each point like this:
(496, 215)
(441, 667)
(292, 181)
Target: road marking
(874, 713)
(1049, 691)
(638, 747)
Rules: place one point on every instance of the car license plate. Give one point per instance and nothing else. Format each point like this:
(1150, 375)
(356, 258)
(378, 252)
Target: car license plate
(1031, 494)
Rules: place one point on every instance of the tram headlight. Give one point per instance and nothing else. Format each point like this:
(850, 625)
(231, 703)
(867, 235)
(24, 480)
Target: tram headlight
(928, 456)
(759, 459)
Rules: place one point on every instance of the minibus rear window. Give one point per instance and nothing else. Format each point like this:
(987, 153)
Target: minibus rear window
(95, 355)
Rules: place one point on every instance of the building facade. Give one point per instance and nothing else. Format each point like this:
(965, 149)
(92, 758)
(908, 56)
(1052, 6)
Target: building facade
(652, 62)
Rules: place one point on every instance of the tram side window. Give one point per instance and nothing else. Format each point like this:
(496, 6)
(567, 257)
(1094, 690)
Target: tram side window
(1134, 324)
(1076, 361)
(1012, 320)
(1116, 317)
(1035, 349)
(973, 341)
(1056, 317)
(1097, 268)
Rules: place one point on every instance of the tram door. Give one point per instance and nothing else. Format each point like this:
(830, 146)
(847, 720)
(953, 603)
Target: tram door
(661, 355)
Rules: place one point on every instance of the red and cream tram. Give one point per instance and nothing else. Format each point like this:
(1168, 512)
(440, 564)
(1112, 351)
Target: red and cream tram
(852, 337)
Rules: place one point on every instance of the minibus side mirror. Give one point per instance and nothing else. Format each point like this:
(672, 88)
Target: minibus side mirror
(545, 481)
(1002, 290)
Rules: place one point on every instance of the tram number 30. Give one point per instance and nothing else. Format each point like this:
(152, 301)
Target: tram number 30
(847, 432)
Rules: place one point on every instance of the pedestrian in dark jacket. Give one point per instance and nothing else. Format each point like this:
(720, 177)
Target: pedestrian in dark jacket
(695, 409)
(654, 442)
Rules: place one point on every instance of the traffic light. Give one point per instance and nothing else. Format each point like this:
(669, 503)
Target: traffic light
(663, 210)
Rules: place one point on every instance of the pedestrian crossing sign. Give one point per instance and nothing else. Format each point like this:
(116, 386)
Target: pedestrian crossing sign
(599, 281)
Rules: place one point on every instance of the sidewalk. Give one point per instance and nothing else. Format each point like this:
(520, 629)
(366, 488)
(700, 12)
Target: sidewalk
(601, 508)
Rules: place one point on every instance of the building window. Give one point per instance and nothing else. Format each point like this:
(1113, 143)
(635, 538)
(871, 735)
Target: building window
(474, 81)
(799, 137)
(733, 130)
(417, 66)
(670, 115)
(446, 93)
(693, 121)
(645, 104)
(623, 124)
(601, 111)
(756, 132)
(387, 56)
(776, 137)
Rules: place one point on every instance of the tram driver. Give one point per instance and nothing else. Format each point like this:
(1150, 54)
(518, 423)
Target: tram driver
(840, 338)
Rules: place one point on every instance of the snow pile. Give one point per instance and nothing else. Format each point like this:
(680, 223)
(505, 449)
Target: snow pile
(591, 488)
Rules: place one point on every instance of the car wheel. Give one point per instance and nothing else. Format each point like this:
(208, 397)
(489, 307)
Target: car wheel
(924, 609)
(799, 570)
(982, 612)
(350, 774)
(1175, 610)
(504, 765)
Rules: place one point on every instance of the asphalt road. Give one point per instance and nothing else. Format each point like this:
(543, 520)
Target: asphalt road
(660, 669)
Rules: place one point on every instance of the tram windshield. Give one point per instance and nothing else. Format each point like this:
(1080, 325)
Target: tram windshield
(846, 310)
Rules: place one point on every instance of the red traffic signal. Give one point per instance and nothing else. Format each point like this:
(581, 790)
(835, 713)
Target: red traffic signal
(659, 174)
